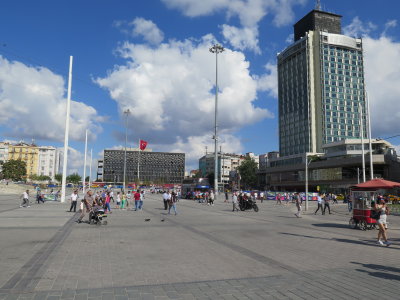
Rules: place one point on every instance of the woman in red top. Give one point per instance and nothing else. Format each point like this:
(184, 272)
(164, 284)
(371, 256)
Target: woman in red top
(107, 204)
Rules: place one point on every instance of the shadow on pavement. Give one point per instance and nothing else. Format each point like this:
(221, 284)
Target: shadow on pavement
(371, 243)
(332, 225)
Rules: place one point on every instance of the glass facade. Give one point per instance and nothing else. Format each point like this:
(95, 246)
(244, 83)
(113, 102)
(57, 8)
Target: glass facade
(343, 92)
(294, 119)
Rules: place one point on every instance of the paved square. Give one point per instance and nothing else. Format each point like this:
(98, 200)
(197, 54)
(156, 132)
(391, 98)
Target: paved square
(205, 252)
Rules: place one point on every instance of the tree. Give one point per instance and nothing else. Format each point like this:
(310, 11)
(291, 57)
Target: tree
(58, 177)
(248, 173)
(87, 179)
(210, 178)
(74, 178)
(14, 169)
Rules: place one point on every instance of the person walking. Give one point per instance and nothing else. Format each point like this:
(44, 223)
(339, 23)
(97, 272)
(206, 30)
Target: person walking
(74, 198)
(136, 196)
(87, 200)
(25, 199)
(383, 210)
(39, 197)
(172, 203)
(327, 200)
(211, 198)
(107, 203)
(298, 201)
(235, 202)
(166, 196)
(319, 202)
(141, 200)
(118, 200)
(123, 200)
(278, 199)
(226, 197)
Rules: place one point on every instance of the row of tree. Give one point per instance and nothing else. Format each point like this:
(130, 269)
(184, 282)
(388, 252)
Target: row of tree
(15, 170)
(248, 174)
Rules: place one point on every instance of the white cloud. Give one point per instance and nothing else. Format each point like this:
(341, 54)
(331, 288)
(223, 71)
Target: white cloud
(249, 13)
(194, 147)
(242, 38)
(269, 81)
(382, 71)
(170, 91)
(357, 28)
(32, 105)
(146, 28)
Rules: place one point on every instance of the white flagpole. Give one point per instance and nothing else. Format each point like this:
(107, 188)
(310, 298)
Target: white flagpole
(138, 177)
(64, 175)
(362, 141)
(84, 165)
(371, 160)
(90, 168)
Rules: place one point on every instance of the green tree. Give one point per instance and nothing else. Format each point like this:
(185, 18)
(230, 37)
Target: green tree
(74, 178)
(248, 173)
(14, 169)
(58, 177)
(87, 179)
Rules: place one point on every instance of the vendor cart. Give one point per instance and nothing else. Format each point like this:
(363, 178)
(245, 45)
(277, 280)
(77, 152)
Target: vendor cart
(363, 196)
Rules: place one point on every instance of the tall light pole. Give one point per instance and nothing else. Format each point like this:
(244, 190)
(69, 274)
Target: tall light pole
(362, 141)
(306, 180)
(371, 160)
(216, 49)
(84, 165)
(126, 112)
(65, 155)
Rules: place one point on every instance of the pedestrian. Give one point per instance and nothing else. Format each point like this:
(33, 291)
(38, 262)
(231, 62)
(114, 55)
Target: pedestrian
(74, 198)
(211, 198)
(39, 197)
(226, 197)
(141, 200)
(319, 202)
(298, 201)
(87, 199)
(172, 203)
(278, 199)
(118, 200)
(262, 197)
(107, 201)
(327, 201)
(123, 200)
(112, 196)
(235, 202)
(349, 202)
(25, 199)
(57, 195)
(334, 198)
(166, 196)
(136, 196)
(382, 209)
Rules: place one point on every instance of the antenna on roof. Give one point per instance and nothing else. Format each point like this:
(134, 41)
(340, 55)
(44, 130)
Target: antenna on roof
(318, 5)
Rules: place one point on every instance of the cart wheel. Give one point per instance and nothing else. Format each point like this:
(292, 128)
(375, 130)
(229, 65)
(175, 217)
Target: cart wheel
(363, 225)
(352, 223)
(105, 222)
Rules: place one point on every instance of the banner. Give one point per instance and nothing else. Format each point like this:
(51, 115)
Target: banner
(143, 145)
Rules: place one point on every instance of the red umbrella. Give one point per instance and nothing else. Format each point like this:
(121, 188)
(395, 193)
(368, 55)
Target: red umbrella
(376, 184)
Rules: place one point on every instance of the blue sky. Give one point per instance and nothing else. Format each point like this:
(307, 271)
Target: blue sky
(152, 57)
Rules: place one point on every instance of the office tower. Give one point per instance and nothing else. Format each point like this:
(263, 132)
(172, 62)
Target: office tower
(320, 86)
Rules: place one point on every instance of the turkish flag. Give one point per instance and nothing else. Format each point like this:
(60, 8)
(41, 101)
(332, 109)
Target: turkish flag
(143, 145)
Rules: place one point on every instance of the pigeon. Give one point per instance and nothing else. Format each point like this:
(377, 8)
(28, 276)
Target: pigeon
(147, 220)
(162, 220)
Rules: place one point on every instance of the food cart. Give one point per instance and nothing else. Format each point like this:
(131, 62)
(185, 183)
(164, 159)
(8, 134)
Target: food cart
(362, 196)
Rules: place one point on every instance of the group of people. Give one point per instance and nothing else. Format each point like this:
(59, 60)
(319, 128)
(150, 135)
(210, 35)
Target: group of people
(103, 199)
(170, 199)
(324, 201)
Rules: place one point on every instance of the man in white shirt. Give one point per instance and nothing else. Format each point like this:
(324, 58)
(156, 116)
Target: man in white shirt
(74, 199)
(319, 199)
(235, 202)
(166, 198)
(25, 199)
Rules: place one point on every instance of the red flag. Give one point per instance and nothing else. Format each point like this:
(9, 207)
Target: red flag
(143, 145)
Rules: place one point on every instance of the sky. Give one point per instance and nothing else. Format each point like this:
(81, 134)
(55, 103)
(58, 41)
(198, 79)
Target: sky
(152, 57)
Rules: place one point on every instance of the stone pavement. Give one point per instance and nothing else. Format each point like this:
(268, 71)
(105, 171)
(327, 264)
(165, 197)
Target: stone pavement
(202, 253)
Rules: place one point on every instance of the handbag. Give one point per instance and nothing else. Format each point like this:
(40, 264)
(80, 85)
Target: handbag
(375, 214)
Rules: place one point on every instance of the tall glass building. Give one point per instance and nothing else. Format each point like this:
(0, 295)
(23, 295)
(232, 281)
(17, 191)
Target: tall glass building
(320, 86)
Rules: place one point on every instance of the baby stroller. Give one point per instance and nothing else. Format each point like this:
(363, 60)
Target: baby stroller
(96, 216)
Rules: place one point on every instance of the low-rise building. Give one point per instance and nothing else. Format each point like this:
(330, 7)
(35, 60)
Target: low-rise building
(337, 168)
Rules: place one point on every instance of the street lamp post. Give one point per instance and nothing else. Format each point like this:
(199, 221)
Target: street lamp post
(126, 112)
(216, 49)
(306, 180)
